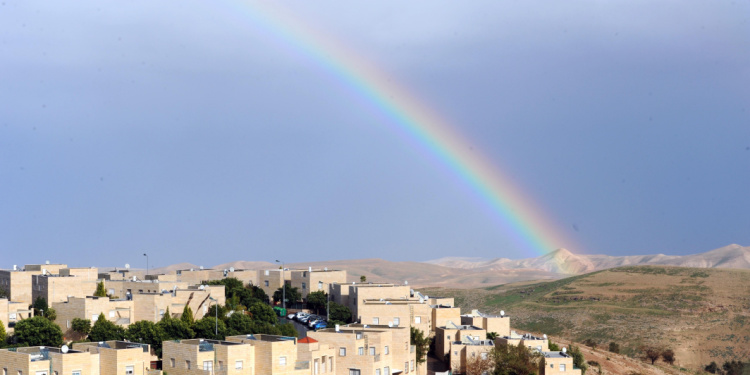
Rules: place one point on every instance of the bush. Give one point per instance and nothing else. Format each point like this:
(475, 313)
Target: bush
(614, 347)
(38, 331)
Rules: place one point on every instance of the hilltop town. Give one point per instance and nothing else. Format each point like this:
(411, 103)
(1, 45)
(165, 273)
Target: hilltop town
(66, 320)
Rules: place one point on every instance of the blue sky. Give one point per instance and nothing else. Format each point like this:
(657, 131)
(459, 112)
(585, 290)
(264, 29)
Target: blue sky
(185, 130)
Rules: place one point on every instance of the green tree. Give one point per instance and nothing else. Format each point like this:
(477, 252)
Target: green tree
(81, 326)
(292, 294)
(262, 312)
(100, 291)
(146, 332)
(204, 328)
(50, 314)
(2, 335)
(317, 300)
(554, 347)
(175, 329)
(259, 294)
(515, 360)
(340, 314)
(38, 331)
(578, 360)
(231, 284)
(422, 343)
(39, 306)
(187, 316)
(362, 278)
(167, 315)
(491, 336)
(240, 324)
(287, 329)
(217, 310)
(650, 353)
(104, 330)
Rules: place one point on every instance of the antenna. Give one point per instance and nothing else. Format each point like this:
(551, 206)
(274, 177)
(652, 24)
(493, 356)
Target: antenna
(64, 349)
(127, 266)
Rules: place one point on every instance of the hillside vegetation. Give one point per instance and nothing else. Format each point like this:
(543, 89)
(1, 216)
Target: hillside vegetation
(702, 314)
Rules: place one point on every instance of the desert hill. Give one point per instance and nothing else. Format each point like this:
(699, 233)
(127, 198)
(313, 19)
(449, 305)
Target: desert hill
(565, 262)
(703, 314)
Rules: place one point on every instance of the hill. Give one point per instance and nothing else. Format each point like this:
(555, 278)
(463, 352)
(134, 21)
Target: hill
(702, 314)
(565, 262)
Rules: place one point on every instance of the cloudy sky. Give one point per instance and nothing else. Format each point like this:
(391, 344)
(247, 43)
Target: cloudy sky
(213, 131)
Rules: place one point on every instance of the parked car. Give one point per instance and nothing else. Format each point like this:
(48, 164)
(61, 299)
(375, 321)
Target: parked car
(312, 322)
(305, 318)
(291, 316)
(320, 324)
(301, 314)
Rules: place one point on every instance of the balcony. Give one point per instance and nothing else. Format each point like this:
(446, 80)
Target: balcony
(302, 365)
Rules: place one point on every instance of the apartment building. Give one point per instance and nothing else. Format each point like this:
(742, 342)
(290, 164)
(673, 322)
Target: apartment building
(126, 288)
(41, 360)
(208, 357)
(271, 280)
(320, 357)
(499, 324)
(451, 333)
(17, 282)
(397, 312)
(355, 294)
(152, 306)
(57, 288)
(118, 357)
(12, 312)
(559, 363)
(281, 355)
(117, 311)
(369, 349)
(442, 315)
(530, 341)
(315, 280)
(468, 350)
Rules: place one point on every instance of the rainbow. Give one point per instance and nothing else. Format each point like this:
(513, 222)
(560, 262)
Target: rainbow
(420, 123)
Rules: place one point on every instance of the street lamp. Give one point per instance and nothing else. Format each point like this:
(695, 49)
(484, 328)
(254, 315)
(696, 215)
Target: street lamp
(146, 255)
(216, 319)
(283, 286)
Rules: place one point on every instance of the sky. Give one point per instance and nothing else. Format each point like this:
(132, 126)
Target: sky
(214, 131)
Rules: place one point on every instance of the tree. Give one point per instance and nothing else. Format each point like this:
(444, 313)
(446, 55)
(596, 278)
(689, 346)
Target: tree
(175, 329)
(187, 316)
(166, 316)
(205, 328)
(614, 347)
(650, 353)
(712, 367)
(231, 284)
(515, 360)
(491, 336)
(2, 335)
(422, 343)
(340, 314)
(104, 330)
(317, 300)
(590, 343)
(292, 294)
(479, 364)
(39, 306)
(554, 347)
(262, 312)
(733, 367)
(287, 329)
(668, 356)
(50, 314)
(239, 324)
(217, 310)
(38, 331)
(363, 278)
(146, 332)
(81, 326)
(578, 360)
(100, 291)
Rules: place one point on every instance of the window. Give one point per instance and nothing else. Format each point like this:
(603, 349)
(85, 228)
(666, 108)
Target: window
(386, 370)
(330, 364)
(128, 371)
(265, 283)
(282, 361)
(67, 323)
(94, 318)
(220, 365)
(267, 275)
(359, 335)
(238, 365)
(551, 365)
(372, 350)
(342, 352)
(111, 313)
(320, 285)
(187, 365)
(375, 320)
(562, 367)
(41, 373)
(12, 316)
(304, 286)
(361, 350)
(208, 365)
(417, 319)
(406, 367)
(386, 350)
(171, 362)
(449, 337)
(396, 321)
(304, 273)
(411, 365)
(377, 371)
(354, 371)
